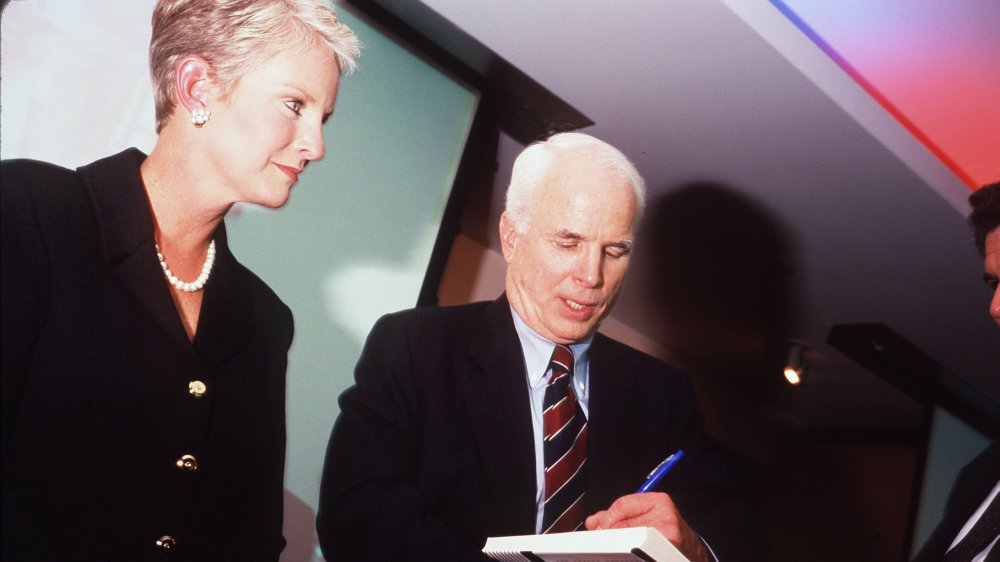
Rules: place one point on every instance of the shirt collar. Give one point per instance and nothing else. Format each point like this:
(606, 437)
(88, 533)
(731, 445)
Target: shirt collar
(538, 351)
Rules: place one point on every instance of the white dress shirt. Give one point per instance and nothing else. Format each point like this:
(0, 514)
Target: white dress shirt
(537, 353)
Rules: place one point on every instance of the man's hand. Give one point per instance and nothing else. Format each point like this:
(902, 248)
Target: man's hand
(652, 509)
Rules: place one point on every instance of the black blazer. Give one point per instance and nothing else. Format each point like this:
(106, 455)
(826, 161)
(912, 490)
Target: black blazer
(433, 450)
(971, 488)
(96, 371)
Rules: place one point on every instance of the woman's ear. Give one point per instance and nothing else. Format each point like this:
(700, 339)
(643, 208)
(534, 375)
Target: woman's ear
(191, 82)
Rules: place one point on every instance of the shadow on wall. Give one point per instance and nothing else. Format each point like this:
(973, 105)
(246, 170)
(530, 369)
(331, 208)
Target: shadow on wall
(719, 275)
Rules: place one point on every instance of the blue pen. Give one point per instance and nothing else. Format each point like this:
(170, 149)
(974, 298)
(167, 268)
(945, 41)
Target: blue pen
(660, 471)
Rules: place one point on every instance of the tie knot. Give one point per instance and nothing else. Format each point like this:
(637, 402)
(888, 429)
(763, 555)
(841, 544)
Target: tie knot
(562, 358)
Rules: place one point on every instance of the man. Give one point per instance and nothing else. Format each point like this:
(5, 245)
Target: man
(443, 442)
(969, 529)
(985, 223)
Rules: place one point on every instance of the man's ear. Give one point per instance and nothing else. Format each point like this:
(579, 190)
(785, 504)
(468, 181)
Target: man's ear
(508, 236)
(191, 82)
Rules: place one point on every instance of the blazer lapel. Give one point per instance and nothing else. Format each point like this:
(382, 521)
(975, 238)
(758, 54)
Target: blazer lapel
(974, 484)
(616, 428)
(225, 324)
(497, 396)
(123, 215)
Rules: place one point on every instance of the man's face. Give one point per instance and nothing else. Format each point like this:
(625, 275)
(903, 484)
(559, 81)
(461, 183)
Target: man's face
(565, 270)
(992, 271)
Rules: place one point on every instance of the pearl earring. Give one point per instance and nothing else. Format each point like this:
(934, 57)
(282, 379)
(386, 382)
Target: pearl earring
(200, 116)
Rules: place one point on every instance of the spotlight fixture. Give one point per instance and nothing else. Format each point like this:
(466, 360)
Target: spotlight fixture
(795, 367)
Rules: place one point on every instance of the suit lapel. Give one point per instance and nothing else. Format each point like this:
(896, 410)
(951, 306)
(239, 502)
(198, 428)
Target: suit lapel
(126, 229)
(225, 324)
(499, 408)
(974, 484)
(616, 428)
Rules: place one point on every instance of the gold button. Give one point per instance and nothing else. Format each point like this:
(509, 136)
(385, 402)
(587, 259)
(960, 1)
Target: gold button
(166, 542)
(187, 463)
(197, 389)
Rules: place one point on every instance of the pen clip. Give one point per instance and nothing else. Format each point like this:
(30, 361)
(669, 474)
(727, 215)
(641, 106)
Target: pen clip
(665, 461)
(660, 471)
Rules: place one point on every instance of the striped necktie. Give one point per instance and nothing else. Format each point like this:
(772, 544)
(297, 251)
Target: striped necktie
(565, 444)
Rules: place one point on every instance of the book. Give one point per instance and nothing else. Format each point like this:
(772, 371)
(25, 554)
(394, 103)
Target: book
(636, 544)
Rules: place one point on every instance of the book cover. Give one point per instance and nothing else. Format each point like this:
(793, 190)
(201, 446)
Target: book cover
(638, 544)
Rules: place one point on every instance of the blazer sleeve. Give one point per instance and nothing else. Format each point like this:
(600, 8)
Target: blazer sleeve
(24, 289)
(642, 409)
(706, 495)
(371, 507)
(258, 534)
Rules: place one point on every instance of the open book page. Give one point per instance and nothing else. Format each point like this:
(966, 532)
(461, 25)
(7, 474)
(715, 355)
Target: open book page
(638, 544)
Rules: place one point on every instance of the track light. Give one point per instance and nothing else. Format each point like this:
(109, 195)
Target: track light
(795, 367)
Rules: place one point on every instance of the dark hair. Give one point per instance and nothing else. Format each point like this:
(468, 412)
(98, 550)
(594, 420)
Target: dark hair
(985, 217)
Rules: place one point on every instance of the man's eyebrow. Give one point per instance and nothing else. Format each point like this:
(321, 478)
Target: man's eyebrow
(567, 234)
(990, 278)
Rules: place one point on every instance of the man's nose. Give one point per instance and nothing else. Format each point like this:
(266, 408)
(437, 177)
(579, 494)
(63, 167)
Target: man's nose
(995, 306)
(590, 268)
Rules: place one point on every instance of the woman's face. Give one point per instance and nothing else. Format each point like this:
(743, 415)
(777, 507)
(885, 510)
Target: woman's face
(270, 126)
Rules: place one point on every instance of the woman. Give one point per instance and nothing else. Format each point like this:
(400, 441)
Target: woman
(143, 366)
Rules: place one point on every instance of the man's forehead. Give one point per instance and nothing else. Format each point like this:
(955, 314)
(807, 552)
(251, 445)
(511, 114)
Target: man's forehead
(579, 224)
(585, 181)
(993, 249)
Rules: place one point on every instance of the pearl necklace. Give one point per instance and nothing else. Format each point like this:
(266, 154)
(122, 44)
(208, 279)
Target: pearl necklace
(198, 283)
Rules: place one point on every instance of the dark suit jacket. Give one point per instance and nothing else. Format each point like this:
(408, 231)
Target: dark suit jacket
(970, 489)
(433, 451)
(96, 372)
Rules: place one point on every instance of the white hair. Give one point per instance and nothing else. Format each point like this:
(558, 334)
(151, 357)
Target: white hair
(533, 165)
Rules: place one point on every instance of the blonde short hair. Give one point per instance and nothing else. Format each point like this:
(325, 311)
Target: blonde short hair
(236, 35)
